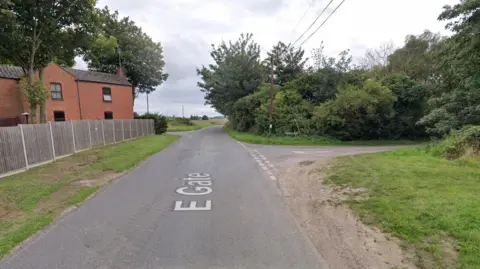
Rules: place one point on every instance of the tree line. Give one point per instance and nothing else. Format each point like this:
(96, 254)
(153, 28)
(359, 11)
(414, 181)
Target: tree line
(36, 33)
(427, 87)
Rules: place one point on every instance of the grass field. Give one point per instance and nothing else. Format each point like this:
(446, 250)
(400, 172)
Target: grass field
(197, 124)
(31, 200)
(433, 204)
(312, 140)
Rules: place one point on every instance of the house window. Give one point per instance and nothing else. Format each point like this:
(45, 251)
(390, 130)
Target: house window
(108, 115)
(56, 91)
(107, 94)
(58, 115)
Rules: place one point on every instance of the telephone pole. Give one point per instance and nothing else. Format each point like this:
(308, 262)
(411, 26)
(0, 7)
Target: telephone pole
(271, 94)
(148, 105)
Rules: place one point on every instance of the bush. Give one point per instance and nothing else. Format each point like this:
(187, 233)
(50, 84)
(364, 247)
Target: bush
(357, 113)
(160, 121)
(465, 141)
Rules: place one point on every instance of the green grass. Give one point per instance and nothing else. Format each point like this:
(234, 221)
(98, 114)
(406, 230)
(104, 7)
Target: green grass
(31, 200)
(81, 195)
(185, 128)
(309, 140)
(433, 204)
(174, 126)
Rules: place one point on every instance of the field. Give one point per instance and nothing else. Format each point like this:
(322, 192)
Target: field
(179, 125)
(31, 200)
(431, 203)
(310, 140)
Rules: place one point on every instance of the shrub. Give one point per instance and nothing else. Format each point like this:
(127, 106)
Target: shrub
(465, 141)
(160, 121)
(356, 113)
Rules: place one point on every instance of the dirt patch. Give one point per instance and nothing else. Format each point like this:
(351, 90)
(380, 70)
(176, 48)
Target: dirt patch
(342, 240)
(100, 180)
(56, 202)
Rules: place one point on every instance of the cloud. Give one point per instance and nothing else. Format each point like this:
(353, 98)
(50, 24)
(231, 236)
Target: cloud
(187, 28)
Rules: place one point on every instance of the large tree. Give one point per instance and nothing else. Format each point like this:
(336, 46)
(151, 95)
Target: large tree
(138, 53)
(288, 62)
(457, 64)
(236, 72)
(415, 58)
(35, 33)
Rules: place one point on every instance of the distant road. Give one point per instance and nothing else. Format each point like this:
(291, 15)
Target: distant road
(202, 203)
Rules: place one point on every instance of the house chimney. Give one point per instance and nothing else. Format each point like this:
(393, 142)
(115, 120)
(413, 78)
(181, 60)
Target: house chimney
(120, 71)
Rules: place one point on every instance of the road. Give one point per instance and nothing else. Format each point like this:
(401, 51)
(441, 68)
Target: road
(142, 220)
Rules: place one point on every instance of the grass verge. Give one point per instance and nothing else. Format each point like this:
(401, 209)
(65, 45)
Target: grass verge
(31, 200)
(309, 140)
(197, 124)
(431, 203)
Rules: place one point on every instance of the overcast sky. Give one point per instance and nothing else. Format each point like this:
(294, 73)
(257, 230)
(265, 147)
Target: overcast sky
(186, 29)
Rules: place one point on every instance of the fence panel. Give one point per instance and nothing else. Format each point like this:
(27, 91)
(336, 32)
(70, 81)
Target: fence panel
(11, 150)
(82, 138)
(62, 138)
(118, 130)
(96, 132)
(38, 143)
(126, 129)
(109, 133)
(38, 139)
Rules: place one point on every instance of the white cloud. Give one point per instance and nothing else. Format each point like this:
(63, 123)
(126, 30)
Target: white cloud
(186, 28)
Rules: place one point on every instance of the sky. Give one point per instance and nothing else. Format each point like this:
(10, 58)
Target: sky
(187, 28)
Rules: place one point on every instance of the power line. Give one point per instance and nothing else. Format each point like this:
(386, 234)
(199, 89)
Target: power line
(322, 23)
(301, 19)
(318, 17)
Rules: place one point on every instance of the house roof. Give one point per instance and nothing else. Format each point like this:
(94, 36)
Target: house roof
(10, 71)
(92, 76)
(15, 72)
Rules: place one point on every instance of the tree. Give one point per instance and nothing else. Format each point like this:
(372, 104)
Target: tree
(35, 33)
(457, 96)
(409, 107)
(357, 113)
(139, 54)
(415, 58)
(376, 60)
(288, 62)
(235, 73)
(204, 117)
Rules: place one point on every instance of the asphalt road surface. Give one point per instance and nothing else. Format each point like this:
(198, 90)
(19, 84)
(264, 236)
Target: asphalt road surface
(203, 202)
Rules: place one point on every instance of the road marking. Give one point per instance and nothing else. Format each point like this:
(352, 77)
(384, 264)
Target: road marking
(193, 206)
(255, 155)
(198, 184)
(311, 152)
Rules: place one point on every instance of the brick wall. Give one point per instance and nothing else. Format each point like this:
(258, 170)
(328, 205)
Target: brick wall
(55, 74)
(10, 99)
(12, 104)
(93, 106)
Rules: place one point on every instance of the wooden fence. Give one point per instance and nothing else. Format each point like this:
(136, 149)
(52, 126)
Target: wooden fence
(26, 146)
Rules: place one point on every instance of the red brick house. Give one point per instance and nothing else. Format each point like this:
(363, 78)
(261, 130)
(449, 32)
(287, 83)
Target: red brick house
(74, 95)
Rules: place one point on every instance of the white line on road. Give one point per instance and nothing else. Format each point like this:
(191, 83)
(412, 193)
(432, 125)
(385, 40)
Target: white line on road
(255, 155)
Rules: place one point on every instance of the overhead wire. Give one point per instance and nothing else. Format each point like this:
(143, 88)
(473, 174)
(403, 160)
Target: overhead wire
(316, 30)
(309, 27)
(303, 16)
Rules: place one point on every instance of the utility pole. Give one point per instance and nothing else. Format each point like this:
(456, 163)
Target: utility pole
(271, 95)
(148, 106)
